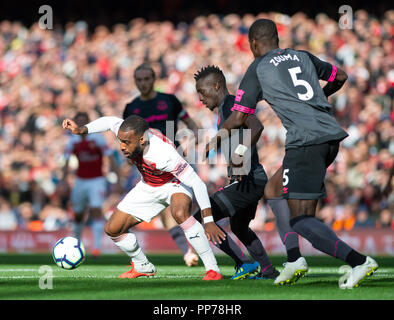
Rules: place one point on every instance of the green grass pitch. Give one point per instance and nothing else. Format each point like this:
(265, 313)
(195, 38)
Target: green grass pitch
(96, 279)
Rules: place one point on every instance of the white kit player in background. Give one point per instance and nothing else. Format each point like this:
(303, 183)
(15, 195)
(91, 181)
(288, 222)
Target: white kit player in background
(89, 189)
(167, 180)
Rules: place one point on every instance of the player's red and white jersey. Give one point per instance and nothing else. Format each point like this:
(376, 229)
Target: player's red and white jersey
(160, 163)
(89, 151)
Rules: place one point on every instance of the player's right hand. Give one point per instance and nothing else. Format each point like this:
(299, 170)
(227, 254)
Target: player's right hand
(69, 124)
(214, 233)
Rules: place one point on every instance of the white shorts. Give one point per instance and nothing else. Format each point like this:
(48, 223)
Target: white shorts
(144, 202)
(88, 192)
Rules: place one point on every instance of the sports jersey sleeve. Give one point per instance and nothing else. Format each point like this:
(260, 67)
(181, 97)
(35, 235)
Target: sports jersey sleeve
(104, 124)
(325, 71)
(249, 92)
(182, 170)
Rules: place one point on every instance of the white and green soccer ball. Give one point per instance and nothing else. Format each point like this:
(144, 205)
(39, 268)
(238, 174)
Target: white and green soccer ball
(68, 253)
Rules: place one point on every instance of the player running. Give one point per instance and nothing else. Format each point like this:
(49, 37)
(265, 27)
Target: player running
(239, 199)
(159, 109)
(89, 188)
(167, 180)
(289, 81)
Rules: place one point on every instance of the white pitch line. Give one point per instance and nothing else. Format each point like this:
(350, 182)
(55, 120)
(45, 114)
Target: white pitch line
(18, 270)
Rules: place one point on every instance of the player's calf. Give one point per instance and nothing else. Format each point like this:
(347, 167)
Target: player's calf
(195, 234)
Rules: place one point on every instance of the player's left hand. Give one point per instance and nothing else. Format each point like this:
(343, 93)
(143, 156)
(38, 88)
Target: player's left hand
(213, 233)
(69, 124)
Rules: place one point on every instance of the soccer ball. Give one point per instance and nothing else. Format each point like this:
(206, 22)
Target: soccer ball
(68, 253)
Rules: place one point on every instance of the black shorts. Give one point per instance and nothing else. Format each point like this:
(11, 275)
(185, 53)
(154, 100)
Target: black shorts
(304, 170)
(240, 197)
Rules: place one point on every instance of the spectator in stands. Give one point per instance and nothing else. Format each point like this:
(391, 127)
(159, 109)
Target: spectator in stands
(385, 220)
(8, 220)
(363, 219)
(27, 220)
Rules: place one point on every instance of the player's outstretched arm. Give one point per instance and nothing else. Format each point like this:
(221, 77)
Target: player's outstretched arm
(332, 87)
(99, 125)
(70, 125)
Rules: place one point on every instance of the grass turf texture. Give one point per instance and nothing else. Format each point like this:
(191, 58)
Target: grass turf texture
(97, 279)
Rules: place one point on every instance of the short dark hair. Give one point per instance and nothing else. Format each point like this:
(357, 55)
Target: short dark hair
(135, 123)
(208, 70)
(81, 114)
(264, 30)
(145, 66)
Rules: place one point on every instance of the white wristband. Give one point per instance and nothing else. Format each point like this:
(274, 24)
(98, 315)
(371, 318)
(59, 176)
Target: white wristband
(208, 219)
(241, 150)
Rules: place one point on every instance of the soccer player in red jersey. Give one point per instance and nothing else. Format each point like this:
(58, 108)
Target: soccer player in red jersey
(162, 111)
(167, 180)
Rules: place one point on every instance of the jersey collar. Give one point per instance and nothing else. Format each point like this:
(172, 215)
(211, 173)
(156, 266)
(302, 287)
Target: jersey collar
(276, 50)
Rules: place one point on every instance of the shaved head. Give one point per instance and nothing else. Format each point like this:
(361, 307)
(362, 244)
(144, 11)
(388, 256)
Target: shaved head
(264, 30)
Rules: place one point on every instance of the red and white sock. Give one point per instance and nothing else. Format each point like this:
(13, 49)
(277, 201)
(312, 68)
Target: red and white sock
(195, 234)
(127, 242)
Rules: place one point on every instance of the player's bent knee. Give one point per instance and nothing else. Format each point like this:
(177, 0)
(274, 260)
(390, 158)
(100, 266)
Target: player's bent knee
(180, 215)
(112, 231)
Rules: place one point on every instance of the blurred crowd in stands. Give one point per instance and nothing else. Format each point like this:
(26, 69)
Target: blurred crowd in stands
(47, 75)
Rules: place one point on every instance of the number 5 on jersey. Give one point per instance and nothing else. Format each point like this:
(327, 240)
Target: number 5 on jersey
(285, 180)
(299, 82)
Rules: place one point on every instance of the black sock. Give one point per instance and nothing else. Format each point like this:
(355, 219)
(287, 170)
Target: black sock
(229, 247)
(293, 254)
(355, 259)
(320, 236)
